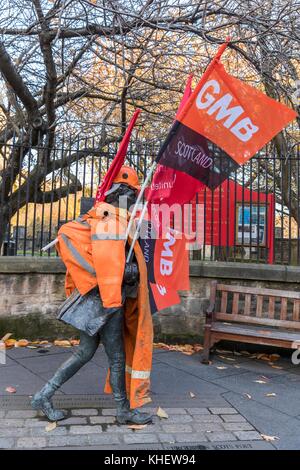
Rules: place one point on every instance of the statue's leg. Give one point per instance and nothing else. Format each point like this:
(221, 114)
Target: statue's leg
(112, 339)
(83, 353)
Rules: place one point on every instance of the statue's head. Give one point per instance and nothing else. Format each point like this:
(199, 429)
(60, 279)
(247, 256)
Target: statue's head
(124, 190)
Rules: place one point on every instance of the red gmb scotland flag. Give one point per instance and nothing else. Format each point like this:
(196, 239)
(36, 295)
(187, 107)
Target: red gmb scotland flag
(223, 110)
(170, 186)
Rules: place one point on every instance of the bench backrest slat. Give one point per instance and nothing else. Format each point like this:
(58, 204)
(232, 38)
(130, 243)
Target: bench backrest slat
(258, 291)
(224, 302)
(259, 305)
(296, 310)
(247, 304)
(228, 317)
(271, 307)
(235, 303)
(283, 309)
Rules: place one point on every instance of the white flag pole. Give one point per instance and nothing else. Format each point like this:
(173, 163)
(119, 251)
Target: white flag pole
(47, 247)
(137, 231)
(140, 196)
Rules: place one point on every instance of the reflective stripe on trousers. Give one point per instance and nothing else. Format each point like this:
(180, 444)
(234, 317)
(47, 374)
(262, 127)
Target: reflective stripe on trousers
(138, 374)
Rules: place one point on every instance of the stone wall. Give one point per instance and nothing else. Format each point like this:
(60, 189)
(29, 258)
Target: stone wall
(32, 288)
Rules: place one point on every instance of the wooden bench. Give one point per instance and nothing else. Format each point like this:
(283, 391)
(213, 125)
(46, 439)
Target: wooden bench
(251, 315)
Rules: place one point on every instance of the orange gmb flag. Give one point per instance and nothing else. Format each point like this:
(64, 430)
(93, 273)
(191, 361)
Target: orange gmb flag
(222, 110)
(237, 117)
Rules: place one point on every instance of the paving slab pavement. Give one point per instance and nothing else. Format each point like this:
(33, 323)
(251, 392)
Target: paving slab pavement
(220, 406)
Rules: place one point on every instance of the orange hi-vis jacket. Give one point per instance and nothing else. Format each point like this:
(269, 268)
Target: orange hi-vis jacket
(93, 249)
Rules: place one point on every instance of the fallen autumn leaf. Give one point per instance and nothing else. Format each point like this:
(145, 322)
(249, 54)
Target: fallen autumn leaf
(162, 413)
(22, 343)
(187, 349)
(263, 357)
(50, 427)
(62, 343)
(274, 357)
(223, 351)
(269, 438)
(10, 343)
(137, 426)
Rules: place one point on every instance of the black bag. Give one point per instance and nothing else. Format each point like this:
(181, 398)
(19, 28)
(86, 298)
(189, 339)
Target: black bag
(85, 312)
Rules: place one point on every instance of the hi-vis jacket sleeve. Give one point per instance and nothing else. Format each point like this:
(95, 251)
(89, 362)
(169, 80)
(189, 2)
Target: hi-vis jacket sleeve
(108, 251)
(69, 284)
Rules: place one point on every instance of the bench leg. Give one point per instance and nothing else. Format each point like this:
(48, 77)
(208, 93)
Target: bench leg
(206, 350)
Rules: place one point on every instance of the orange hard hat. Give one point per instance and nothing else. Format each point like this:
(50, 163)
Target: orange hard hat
(128, 175)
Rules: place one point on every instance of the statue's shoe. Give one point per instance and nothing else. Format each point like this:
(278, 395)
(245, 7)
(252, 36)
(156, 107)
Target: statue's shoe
(133, 417)
(41, 402)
